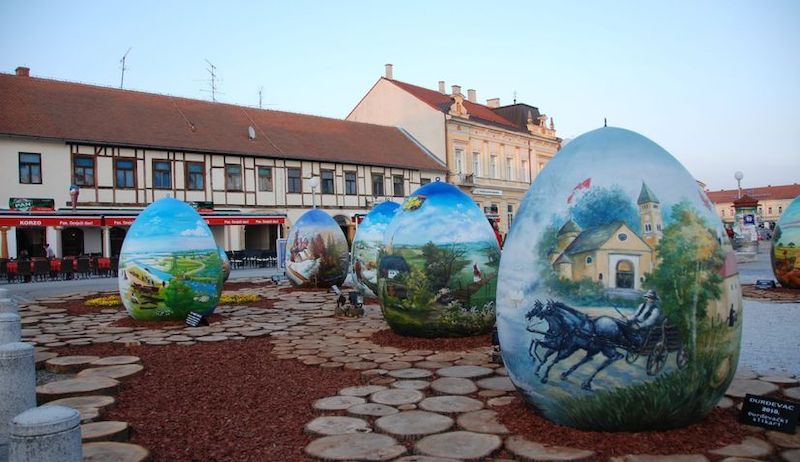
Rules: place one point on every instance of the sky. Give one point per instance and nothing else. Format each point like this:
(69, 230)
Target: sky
(713, 82)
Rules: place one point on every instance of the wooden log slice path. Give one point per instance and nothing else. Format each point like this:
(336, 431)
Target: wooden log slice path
(397, 396)
(497, 383)
(355, 446)
(105, 451)
(459, 445)
(531, 451)
(337, 403)
(741, 387)
(88, 401)
(409, 373)
(414, 424)
(751, 447)
(337, 425)
(116, 361)
(465, 372)
(364, 390)
(483, 421)
(41, 357)
(76, 387)
(68, 364)
(371, 410)
(449, 404)
(107, 430)
(454, 386)
(411, 384)
(114, 372)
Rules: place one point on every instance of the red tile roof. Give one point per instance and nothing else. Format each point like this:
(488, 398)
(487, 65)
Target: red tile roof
(78, 112)
(442, 102)
(789, 191)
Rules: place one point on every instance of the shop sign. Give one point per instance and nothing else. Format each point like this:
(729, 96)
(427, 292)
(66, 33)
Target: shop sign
(118, 221)
(244, 220)
(487, 192)
(202, 206)
(26, 222)
(24, 204)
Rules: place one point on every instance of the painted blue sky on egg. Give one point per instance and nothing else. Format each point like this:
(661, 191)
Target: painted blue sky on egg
(166, 225)
(375, 223)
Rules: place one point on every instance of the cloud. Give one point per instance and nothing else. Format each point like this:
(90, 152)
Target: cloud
(200, 230)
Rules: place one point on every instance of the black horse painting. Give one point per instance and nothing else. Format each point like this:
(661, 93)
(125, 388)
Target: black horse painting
(569, 330)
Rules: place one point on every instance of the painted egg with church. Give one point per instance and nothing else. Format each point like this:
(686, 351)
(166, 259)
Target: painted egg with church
(785, 251)
(437, 271)
(367, 245)
(169, 264)
(619, 305)
(317, 253)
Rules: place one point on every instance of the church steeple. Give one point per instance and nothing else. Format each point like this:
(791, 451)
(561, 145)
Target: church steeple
(650, 216)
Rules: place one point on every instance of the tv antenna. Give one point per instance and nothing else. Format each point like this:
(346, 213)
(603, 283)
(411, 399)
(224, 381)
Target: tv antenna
(260, 89)
(123, 68)
(515, 96)
(212, 70)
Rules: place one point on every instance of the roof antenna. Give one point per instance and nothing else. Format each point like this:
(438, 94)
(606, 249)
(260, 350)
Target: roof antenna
(212, 70)
(605, 122)
(122, 79)
(260, 89)
(515, 96)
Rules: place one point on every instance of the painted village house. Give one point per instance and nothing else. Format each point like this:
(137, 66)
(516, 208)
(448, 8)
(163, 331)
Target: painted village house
(492, 152)
(612, 254)
(247, 170)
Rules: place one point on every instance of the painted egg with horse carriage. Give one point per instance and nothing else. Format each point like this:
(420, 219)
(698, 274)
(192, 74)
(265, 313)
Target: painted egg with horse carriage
(437, 271)
(619, 305)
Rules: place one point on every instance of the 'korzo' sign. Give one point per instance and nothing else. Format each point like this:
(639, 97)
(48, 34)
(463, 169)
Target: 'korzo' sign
(774, 414)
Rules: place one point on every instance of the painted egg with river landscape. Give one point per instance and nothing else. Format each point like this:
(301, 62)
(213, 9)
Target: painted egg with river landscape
(619, 305)
(367, 245)
(437, 274)
(169, 264)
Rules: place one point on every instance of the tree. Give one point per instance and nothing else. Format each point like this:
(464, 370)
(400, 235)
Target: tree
(441, 263)
(687, 276)
(418, 293)
(492, 256)
(179, 297)
(600, 206)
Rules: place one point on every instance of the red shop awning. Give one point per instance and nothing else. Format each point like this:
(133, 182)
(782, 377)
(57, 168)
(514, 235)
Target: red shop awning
(37, 221)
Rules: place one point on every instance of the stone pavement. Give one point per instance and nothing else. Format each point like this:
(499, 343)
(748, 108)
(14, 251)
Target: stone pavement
(411, 405)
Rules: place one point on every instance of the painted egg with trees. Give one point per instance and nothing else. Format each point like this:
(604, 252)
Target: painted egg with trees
(368, 244)
(619, 305)
(786, 247)
(226, 264)
(317, 253)
(437, 273)
(169, 264)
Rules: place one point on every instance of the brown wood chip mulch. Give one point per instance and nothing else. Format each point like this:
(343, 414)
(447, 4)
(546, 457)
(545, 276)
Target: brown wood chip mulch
(719, 428)
(219, 401)
(777, 294)
(388, 338)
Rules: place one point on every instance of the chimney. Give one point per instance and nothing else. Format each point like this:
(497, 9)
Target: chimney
(493, 102)
(471, 97)
(441, 87)
(456, 90)
(23, 71)
(389, 72)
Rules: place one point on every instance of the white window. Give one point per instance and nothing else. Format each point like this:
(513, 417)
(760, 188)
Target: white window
(509, 169)
(526, 175)
(493, 167)
(459, 161)
(476, 163)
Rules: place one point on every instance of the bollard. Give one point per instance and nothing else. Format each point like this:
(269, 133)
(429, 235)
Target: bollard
(17, 387)
(7, 305)
(10, 328)
(46, 434)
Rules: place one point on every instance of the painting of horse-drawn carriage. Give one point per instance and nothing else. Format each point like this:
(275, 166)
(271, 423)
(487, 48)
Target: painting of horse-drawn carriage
(615, 285)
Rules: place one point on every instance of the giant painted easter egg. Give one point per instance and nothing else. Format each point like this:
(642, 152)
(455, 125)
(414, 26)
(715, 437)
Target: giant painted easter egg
(619, 306)
(367, 245)
(786, 247)
(316, 251)
(437, 276)
(169, 264)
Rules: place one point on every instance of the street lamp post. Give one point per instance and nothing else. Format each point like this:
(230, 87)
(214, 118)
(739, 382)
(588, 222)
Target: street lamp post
(739, 176)
(314, 183)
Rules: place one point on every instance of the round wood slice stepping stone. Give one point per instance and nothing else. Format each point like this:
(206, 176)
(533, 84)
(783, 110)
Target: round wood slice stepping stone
(725, 403)
(426, 459)
(451, 404)
(784, 440)
(114, 372)
(793, 392)
(364, 390)
(432, 364)
(410, 373)
(337, 403)
(779, 379)
(107, 430)
(371, 410)
(88, 414)
(483, 421)
(411, 384)
(412, 424)
(355, 446)
(530, 451)
(67, 364)
(211, 338)
(792, 455)
(750, 447)
(465, 372)
(397, 396)
(337, 425)
(361, 365)
(498, 383)
(454, 386)
(116, 361)
(459, 445)
(89, 401)
(741, 387)
(395, 365)
(40, 357)
(670, 458)
(744, 373)
(445, 356)
(105, 451)
(76, 387)
(490, 393)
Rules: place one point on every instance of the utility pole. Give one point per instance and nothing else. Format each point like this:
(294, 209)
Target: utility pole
(122, 61)
(260, 89)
